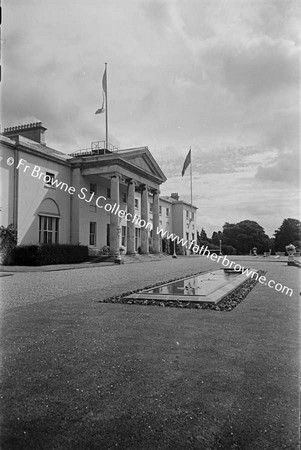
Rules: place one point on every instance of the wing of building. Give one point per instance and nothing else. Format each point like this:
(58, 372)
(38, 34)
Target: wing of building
(94, 197)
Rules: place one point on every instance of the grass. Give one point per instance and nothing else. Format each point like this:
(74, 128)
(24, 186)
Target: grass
(79, 374)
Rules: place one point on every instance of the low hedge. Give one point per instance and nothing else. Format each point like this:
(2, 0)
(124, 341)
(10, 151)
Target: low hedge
(39, 255)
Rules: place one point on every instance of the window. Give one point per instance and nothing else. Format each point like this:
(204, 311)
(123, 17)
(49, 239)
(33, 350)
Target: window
(124, 197)
(136, 203)
(92, 240)
(108, 234)
(187, 236)
(187, 214)
(48, 230)
(50, 178)
(93, 188)
(151, 207)
(160, 210)
(137, 238)
(108, 193)
(192, 236)
(123, 236)
(167, 212)
(192, 215)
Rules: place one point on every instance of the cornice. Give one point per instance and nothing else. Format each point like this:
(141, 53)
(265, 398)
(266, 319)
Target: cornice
(108, 160)
(31, 151)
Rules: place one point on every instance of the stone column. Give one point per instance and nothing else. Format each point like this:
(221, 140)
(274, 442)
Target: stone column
(75, 208)
(130, 224)
(156, 237)
(114, 219)
(144, 216)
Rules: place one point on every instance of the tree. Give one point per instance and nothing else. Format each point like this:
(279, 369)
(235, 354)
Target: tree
(272, 245)
(202, 238)
(288, 233)
(203, 235)
(245, 235)
(229, 234)
(216, 237)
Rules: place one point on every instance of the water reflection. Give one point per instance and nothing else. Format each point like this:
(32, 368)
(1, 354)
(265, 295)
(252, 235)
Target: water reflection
(200, 285)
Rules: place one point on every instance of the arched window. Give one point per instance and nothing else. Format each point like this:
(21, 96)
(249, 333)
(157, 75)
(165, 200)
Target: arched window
(49, 216)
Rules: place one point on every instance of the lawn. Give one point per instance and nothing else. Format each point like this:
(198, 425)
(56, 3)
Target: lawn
(79, 374)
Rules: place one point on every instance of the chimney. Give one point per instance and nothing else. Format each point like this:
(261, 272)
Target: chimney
(175, 195)
(33, 131)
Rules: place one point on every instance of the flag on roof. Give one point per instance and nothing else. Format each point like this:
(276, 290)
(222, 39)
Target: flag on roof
(104, 94)
(186, 162)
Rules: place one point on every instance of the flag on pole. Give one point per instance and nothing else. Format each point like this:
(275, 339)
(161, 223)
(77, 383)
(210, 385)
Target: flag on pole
(104, 94)
(186, 162)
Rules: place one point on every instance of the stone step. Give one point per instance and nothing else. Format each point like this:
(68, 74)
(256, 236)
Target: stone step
(127, 259)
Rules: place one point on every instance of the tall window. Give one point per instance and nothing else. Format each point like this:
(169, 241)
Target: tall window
(137, 238)
(92, 239)
(48, 230)
(108, 193)
(167, 212)
(123, 235)
(123, 197)
(187, 214)
(151, 207)
(108, 234)
(136, 203)
(160, 210)
(192, 215)
(93, 188)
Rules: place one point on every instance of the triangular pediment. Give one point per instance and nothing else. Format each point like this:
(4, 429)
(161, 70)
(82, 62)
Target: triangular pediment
(142, 162)
(143, 159)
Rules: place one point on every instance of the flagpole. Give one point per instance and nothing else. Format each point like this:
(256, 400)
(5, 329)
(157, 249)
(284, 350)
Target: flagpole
(191, 182)
(107, 124)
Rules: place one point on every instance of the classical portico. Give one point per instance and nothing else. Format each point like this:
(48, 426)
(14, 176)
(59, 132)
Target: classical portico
(135, 172)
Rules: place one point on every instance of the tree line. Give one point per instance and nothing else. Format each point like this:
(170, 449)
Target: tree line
(242, 237)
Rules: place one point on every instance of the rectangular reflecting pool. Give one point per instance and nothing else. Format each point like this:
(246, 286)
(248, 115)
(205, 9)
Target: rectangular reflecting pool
(208, 287)
(202, 284)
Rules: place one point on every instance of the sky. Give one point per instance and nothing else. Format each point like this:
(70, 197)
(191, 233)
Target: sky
(219, 76)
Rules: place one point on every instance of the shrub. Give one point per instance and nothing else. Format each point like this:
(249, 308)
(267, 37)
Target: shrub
(38, 255)
(105, 250)
(26, 255)
(228, 250)
(8, 240)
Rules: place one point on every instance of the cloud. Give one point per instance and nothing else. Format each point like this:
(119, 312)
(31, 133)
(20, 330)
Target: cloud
(260, 67)
(284, 170)
(157, 14)
(219, 76)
